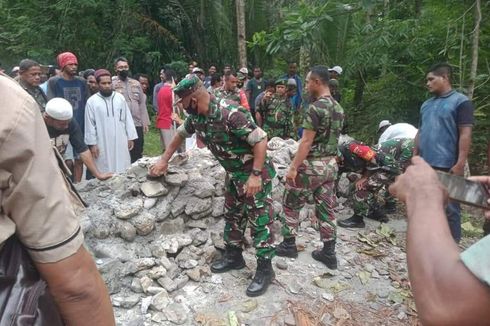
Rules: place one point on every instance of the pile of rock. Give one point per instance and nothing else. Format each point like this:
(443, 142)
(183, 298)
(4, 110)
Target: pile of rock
(150, 237)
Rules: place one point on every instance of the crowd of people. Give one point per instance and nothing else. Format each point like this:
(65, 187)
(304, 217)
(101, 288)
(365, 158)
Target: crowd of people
(99, 120)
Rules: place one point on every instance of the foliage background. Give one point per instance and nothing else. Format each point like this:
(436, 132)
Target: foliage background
(384, 46)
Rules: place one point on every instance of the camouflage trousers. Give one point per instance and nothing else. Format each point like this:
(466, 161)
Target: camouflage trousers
(364, 201)
(241, 210)
(315, 177)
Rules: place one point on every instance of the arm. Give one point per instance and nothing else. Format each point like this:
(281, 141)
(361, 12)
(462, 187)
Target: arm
(78, 290)
(243, 100)
(445, 291)
(89, 162)
(301, 154)
(416, 144)
(463, 148)
(161, 166)
(51, 91)
(145, 119)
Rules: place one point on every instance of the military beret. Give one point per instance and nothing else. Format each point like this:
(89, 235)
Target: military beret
(282, 81)
(187, 86)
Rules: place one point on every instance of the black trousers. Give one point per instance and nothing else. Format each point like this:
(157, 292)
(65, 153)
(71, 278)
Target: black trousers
(137, 151)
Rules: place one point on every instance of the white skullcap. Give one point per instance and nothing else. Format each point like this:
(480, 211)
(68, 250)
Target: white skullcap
(384, 123)
(337, 69)
(243, 70)
(60, 109)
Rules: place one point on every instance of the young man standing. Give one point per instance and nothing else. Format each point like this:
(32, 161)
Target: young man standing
(314, 170)
(444, 136)
(72, 88)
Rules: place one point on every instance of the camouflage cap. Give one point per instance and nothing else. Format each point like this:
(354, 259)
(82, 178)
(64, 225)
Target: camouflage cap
(282, 81)
(187, 86)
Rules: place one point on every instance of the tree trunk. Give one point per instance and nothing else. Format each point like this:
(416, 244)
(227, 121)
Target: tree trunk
(241, 36)
(474, 49)
(304, 60)
(359, 90)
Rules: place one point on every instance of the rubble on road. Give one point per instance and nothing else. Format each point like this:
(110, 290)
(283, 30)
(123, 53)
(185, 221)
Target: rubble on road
(153, 240)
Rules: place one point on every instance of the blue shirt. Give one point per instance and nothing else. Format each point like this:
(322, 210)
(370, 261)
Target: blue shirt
(440, 119)
(74, 91)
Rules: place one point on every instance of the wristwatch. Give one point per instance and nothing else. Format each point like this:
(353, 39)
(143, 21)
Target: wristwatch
(256, 172)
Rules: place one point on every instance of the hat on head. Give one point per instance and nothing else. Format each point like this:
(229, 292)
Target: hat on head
(187, 86)
(281, 81)
(196, 70)
(292, 82)
(337, 69)
(243, 70)
(15, 69)
(60, 109)
(66, 58)
(101, 72)
(384, 123)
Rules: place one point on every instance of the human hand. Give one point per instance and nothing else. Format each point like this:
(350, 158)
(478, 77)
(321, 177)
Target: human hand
(158, 169)
(291, 176)
(419, 178)
(130, 144)
(94, 150)
(146, 129)
(361, 183)
(253, 185)
(104, 176)
(457, 169)
(485, 180)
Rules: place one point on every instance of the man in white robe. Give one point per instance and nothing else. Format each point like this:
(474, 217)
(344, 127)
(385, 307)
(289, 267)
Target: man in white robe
(109, 127)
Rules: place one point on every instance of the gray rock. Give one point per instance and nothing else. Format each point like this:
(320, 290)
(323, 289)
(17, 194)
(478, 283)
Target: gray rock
(158, 317)
(145, 304)
(144, 223)
(218, 206)
(281, 264)
(201, 223)
(126, 301)
(171, 245)
(157, 272)
(203, 189)
(136, 286)
(153, 290)
(112, 274)
(145, 283)
(194, 274)
(178, 205)
(167, 283)
(176, 313)
(172, 226)
(199, 237)
(153, 189)
(128, 209)
(203, 214)
(176, 179)
(157, 250)
(127, 231)
(149, 203)
(160, 301)
(197, 205)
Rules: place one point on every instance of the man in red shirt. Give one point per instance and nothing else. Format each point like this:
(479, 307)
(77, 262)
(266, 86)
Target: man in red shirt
(164, 120)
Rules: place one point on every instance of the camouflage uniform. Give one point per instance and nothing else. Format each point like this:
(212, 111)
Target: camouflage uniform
(276, 115)
(394, 157)
(36, 93)
(230, 136)
(318, 172)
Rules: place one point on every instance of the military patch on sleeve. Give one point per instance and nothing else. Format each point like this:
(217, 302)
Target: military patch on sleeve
(257, 135)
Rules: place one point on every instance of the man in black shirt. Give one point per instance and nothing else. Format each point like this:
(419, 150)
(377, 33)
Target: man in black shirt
(63, 129)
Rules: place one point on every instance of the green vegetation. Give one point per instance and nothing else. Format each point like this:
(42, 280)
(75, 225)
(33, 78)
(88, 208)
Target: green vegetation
(385, 47)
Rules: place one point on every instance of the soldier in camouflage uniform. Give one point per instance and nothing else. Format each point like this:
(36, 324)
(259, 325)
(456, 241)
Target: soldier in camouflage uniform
(277, 112)
(30, 78)
(230, 91)
(314, 170)
(379, 166)
(240, 147)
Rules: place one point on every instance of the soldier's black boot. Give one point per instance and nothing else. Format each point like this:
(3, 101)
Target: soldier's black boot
(287, 248)
(327, 254)
(390, 207)
(231, 259)
(263, 277)
(378, 214)
(355, 221)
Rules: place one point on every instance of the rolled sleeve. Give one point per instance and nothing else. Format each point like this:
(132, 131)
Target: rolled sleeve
(477, 259)
(186, 129)
(34, 197)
